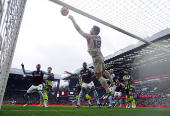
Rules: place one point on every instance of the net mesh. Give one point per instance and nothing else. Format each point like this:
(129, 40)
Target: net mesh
(142, 18)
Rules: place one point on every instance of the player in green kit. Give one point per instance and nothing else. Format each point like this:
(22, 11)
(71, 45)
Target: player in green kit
(47, 85)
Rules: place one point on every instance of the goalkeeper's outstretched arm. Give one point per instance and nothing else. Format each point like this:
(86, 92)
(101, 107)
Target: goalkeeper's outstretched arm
(85, 35)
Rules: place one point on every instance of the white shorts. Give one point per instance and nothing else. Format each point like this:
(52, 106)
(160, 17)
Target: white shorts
(118, 93)
(34, 88)
(98, 64)
(88, 85)
(112, 89)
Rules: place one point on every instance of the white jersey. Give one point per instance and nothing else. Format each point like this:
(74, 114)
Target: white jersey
(94, 45)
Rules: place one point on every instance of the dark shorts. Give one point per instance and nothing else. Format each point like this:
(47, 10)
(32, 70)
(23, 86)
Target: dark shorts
(128, 90)
(78, 89)
(48, 88)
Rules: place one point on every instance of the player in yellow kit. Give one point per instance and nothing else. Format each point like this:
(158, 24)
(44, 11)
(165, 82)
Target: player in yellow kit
(47, 85)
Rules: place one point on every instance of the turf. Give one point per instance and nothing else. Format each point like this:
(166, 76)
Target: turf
(11, 110)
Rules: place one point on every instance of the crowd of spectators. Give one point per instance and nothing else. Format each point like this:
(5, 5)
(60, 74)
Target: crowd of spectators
(160, 88)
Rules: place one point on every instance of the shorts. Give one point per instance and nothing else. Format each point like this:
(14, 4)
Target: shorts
(87, 85)
(78, 89)
(118, 94)
(112, 89)
(34, 88)
(48, 88)
(98, 63)
(128, 90)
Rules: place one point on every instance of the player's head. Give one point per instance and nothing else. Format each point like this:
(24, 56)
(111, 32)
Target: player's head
(126, 72)
(117, 80)
(111, 71)
(118, 77)
(95, 30)
(130, 92)
(84, 65)
(38, 66)
(49, 69)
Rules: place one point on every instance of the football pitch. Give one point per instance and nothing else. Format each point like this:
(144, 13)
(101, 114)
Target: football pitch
(12, 110)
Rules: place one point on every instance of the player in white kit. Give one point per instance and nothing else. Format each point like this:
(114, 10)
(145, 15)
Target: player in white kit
(94, 45)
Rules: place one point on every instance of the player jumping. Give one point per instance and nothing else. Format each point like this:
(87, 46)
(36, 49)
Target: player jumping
(94, 45)
(47, 85)
(86, 74)
(37, 83)
(78, 85)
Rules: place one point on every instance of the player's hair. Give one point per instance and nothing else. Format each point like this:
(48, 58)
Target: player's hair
(38, 64)
(49, 68)
(97, 29)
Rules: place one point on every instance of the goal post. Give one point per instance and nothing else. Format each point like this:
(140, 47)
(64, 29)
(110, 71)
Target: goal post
(9, 30)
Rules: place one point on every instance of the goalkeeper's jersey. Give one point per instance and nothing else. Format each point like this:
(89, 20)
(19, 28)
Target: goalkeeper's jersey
(49, 79)
(94, 45)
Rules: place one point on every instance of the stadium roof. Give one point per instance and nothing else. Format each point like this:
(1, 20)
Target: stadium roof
(20, 72)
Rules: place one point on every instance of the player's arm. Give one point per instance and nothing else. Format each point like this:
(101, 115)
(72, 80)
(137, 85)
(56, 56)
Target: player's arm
(72, 74)
(25, 72)
(44, 72)
(85, 35)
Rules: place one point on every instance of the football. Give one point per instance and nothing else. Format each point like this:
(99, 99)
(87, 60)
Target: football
(64, 11)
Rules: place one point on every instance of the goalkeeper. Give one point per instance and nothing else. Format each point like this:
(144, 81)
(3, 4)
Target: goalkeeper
(47, 85)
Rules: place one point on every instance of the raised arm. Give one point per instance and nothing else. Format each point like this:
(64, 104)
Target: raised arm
(25, 72)
(72, 74)
(85, 35)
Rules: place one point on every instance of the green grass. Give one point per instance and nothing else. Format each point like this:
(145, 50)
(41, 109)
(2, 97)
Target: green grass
(11, 110)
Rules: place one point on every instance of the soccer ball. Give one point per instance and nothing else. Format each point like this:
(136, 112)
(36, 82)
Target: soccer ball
(64, 11)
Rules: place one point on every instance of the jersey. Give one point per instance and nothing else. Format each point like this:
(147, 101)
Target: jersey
(86, 75)
(118, 87)
(94, 45)
(80, 81)
(128, 79)
(49, 79)
(37, 77)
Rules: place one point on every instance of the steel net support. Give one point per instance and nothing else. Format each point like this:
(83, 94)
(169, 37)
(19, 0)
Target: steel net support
(9, 30)
(106, 23)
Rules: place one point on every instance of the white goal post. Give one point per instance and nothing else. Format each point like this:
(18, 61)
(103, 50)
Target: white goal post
(11, 15)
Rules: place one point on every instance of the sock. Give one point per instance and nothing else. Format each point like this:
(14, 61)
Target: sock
(115, 101)
(107, 74)
(132, 100)
(87, 97)
(104, 84)
(96, 96)
(110, 100)
(120, 102)
(45, 97)
(127, 101)
(80, 96)
(40, 101)
(26, 98)
(77, 97)
(41, 96)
